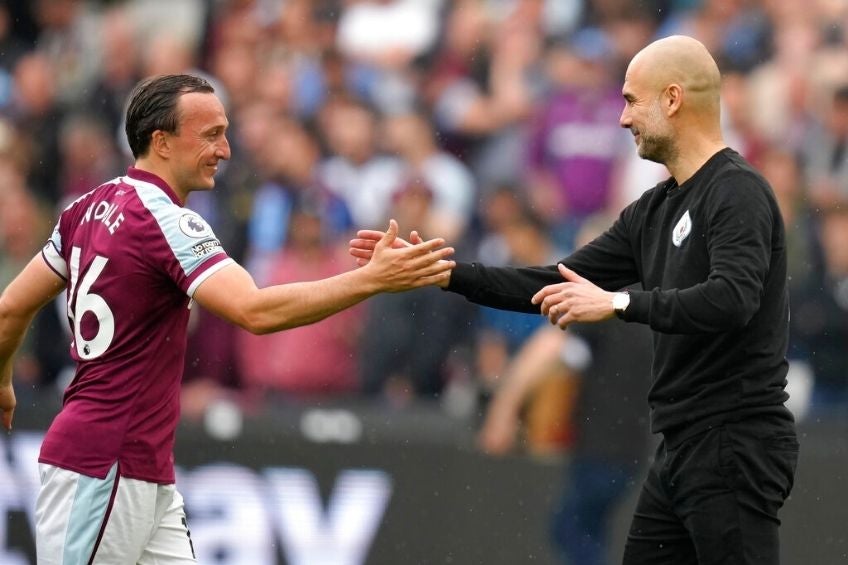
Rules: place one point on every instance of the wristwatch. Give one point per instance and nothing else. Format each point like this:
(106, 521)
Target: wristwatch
(620, 302)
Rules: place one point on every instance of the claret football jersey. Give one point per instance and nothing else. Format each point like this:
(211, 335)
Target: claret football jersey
(132, 257)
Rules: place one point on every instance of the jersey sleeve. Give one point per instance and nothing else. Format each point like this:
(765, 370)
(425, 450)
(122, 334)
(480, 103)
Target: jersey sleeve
(186, 247)
(52, 252)
(197, 252)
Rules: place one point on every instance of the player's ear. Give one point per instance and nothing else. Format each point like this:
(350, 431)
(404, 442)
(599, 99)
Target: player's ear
(160, 143)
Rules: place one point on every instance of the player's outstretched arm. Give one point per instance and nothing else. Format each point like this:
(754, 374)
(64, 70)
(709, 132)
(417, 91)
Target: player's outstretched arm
(232, 294)
(34, 287)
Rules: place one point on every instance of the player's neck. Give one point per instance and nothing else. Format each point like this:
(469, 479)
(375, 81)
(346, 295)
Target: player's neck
(153, 167)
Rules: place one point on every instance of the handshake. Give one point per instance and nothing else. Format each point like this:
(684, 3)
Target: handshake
(396, 264)
(563, 296)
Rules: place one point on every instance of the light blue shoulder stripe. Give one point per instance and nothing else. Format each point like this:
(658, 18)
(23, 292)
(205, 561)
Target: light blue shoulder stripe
(175, 221)
(87, 513)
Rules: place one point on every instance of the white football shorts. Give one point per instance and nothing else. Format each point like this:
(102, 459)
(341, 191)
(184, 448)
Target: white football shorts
(81, 520)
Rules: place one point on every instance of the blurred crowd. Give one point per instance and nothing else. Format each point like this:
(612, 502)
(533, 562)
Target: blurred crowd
(492, 123)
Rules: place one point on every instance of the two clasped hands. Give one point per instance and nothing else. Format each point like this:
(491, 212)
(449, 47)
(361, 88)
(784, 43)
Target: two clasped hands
(575, 300)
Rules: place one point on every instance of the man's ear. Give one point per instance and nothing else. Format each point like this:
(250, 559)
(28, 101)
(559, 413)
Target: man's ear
(672, 99)
(160, 143)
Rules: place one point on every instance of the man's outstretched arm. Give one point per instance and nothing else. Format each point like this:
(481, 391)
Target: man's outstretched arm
(232, 294)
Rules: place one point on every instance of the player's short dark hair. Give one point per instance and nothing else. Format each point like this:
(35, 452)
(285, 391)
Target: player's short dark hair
(153, 106)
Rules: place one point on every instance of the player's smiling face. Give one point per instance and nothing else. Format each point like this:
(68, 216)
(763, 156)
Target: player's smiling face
(199, 143)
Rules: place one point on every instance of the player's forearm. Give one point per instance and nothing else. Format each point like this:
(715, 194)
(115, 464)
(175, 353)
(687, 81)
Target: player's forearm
(291, 305)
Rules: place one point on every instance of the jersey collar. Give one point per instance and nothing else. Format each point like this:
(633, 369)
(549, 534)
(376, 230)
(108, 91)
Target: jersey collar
(146, 176)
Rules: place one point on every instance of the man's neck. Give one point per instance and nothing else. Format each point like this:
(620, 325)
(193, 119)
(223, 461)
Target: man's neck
(689, 161)
(163, 173)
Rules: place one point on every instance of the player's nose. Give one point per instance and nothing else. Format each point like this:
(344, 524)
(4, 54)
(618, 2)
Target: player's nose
(223, 151)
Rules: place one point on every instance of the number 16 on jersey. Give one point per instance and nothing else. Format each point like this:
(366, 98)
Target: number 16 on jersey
(82, 300)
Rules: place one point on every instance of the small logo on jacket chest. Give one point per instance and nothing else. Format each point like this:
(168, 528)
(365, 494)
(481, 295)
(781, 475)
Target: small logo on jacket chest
(682, 229)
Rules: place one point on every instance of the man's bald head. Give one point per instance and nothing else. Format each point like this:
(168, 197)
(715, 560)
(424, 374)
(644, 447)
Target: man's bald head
(684, 61)
(671, 91)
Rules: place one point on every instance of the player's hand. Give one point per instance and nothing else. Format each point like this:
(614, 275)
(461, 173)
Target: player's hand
(7, 405)
(576, 300)
(396, 268)
(362, 246)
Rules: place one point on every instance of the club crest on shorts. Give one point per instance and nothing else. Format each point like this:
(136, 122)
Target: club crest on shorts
(682, 229)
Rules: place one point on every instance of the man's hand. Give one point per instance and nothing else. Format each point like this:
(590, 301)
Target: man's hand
(576, 300)
(7, 405)
(362, 247)
(397, 265)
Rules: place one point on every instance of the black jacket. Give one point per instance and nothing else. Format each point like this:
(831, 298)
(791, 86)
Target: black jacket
(711, 258)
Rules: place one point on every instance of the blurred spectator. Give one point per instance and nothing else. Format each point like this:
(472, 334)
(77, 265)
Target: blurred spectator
(826, 154)
(387, 34)
(735, 30)
(427, 167)
(87, 155)
(35, 112)
(291, 160)
(402, 358)
(782, 170)
(320, 359)
(180, 19)
(68, 35)
(739, 129)
(480, 86)
(516, 237)
(628, 32)
(211, 371)
(118, 71)
(11, 49)
(354, 170)
(24, 227)
(382, 40)
(609, 419)
(820, 313)
(237, 67)
(780, 86)
(575, 140)
(166, 54)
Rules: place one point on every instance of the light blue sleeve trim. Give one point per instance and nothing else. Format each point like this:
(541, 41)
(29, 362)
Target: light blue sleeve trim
(185, 230)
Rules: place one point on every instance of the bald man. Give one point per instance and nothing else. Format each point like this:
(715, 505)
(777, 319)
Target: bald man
(708, 249)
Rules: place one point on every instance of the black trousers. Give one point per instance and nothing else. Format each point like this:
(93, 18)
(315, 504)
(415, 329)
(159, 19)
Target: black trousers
(713, 499)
